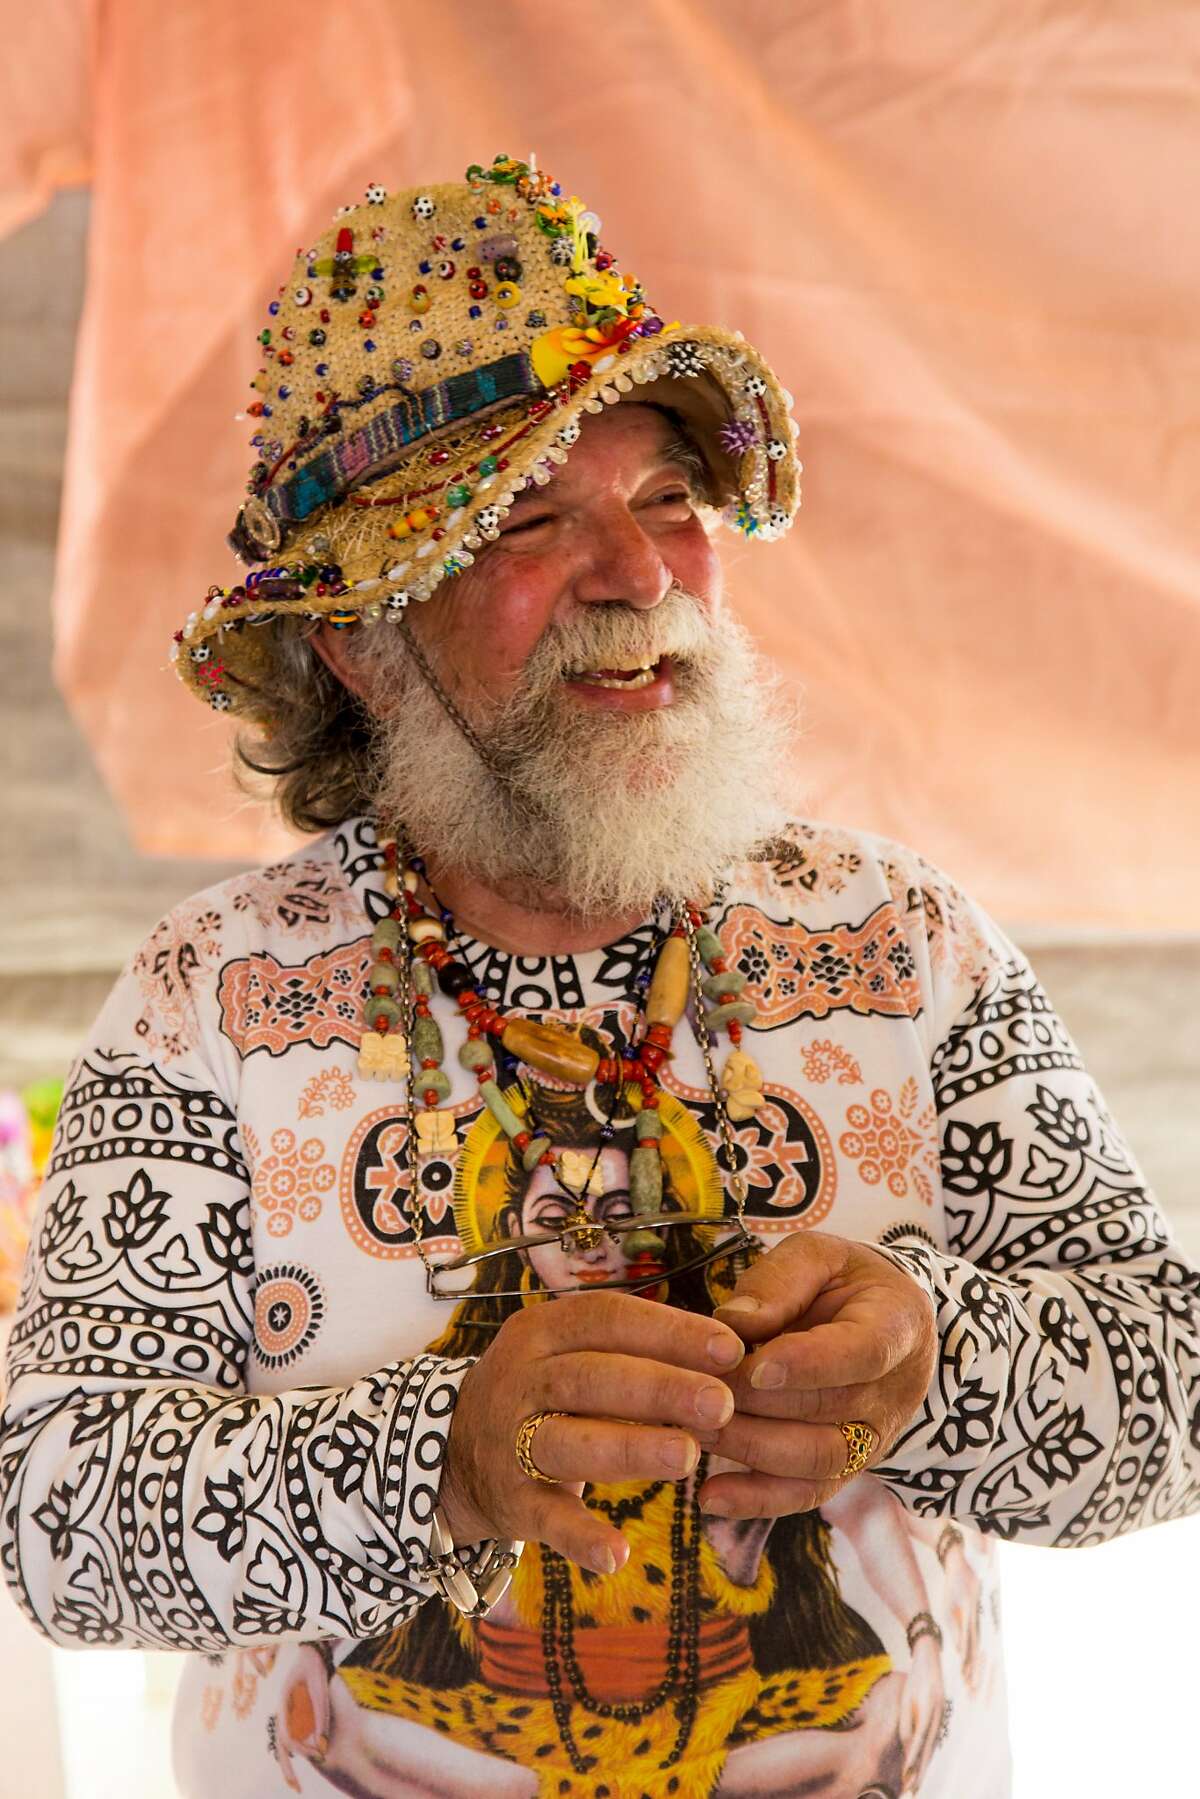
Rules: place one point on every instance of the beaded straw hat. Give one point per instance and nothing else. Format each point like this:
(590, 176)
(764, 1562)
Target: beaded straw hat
(431, 355)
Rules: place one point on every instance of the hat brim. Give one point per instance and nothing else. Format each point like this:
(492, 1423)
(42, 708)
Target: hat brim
(712, 378)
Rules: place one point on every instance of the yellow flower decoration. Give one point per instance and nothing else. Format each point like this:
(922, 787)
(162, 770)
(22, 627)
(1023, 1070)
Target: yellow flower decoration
(601, 290)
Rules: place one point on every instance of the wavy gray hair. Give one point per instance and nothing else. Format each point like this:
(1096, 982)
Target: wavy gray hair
(319, 758)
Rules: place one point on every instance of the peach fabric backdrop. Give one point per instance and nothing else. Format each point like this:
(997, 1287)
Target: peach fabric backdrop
(965, 235)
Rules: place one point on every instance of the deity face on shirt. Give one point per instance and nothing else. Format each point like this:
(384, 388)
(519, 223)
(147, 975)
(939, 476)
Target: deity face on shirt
(546, 1207)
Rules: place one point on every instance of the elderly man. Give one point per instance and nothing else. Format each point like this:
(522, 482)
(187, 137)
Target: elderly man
(556, 1287)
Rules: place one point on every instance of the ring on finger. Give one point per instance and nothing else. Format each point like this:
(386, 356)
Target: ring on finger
(524, 1446)
(860, 1445)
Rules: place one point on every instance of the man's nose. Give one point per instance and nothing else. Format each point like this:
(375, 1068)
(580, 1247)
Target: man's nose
(624, 567)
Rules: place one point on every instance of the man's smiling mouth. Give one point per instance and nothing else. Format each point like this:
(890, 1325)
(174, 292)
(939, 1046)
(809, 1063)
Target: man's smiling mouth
(633, 674)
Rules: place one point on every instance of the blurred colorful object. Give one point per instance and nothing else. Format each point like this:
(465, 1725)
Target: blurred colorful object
(26, 1129)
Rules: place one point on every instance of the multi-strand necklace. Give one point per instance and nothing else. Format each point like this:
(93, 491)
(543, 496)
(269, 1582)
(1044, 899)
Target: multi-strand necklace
(411, 952)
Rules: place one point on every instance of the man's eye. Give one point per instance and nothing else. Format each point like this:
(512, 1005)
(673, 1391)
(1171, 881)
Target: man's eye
(677, 497)
(527, 524)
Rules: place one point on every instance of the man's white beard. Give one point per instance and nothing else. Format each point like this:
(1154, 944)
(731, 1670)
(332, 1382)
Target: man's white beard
(583, 810)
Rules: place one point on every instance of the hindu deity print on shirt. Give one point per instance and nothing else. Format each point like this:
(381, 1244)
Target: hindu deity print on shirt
(724, 1657)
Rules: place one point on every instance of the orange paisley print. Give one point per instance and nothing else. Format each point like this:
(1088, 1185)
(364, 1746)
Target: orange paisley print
(943, 914)
(268, 1005)
(823, 1057)
(288, 1183)
(892, 1147)
(329, 1085)
(792, 972)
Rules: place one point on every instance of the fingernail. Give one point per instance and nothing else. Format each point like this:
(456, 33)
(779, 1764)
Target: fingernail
(715, 1405)
(680, 1455)
(716, 1508)
(726, 1351)
(745, 1304)
(602, 1559)
(768, 1374)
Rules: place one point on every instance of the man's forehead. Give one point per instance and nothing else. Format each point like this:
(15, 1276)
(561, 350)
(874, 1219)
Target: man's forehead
(648, 437)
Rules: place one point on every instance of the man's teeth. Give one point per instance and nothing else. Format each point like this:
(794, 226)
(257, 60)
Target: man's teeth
(618, 674)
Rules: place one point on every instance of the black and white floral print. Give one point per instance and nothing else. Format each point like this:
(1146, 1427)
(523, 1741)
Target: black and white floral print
(165, 1507)
(1064, 1404)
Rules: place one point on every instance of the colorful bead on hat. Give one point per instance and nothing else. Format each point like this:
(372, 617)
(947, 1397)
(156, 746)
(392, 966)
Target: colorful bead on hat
(431, 355)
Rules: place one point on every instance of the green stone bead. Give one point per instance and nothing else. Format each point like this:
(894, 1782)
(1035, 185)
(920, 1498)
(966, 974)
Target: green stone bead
(732, 981)
(427, 1045)
(709, 944)
(717, 1017)
(422, 976)
(382, 1008)
(489, 465)
(384, 974)
(424, 1079)
(648, 1123)
(458, 495)
(644, 1243)
(500, 1109)
(475, 1053)
(386, 934)
(645, 1179)
(534, 1152)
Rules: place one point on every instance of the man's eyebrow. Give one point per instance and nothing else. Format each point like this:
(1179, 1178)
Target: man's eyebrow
(680, 452)
(677, 452)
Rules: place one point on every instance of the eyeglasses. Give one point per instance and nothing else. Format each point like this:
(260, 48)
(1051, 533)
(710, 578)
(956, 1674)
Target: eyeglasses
(577, 1236)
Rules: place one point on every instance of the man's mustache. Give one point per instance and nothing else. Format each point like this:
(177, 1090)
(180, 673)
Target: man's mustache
(678, 627)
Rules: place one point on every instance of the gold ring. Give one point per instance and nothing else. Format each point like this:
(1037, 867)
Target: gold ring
(524, 1446)
(860, 1443)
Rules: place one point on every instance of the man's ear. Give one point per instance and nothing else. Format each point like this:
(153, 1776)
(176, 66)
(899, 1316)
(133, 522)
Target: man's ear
(330, 645)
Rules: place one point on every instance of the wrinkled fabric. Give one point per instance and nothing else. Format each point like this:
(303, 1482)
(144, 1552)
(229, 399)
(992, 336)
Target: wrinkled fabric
(230, 1393)
(964, 236)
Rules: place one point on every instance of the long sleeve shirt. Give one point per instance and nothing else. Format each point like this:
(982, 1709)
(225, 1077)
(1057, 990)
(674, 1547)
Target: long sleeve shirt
(230, 1390)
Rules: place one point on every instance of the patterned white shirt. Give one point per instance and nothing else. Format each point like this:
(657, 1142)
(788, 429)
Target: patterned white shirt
(229, 1390)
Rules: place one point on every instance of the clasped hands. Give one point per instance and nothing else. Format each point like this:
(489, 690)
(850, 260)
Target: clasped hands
(835, 1332)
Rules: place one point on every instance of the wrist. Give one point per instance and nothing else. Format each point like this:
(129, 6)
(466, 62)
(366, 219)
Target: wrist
(459, 1516)
(455, 1499)
(473, 1587)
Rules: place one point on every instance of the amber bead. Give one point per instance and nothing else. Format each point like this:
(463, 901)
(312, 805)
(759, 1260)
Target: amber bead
(551, 1049)
(667, 999)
